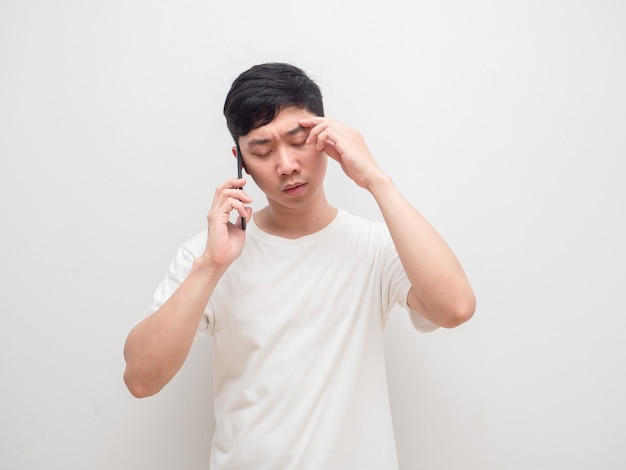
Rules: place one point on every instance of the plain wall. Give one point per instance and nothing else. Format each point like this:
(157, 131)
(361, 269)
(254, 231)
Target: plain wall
(503, 122)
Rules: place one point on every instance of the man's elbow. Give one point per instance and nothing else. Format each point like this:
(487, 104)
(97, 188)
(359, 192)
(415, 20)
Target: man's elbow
(135, 388)
(138, 388)
(459, 312)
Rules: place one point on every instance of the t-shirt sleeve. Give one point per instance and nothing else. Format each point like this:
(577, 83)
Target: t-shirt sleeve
(420, 322)
(177, 272)
(399, 286)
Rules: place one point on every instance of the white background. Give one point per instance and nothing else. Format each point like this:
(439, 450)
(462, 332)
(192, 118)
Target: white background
(503, 122)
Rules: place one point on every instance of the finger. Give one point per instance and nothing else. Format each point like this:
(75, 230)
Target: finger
(332, 152)
(311, 121)
(246, 217)
(317, 129)
(240, 194)
(234, 183)
(237, 183)
(234, 191)
(328, 136)
(234, 204)
(225, 202)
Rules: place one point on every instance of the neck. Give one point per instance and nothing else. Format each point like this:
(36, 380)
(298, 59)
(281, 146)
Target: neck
(288, 222)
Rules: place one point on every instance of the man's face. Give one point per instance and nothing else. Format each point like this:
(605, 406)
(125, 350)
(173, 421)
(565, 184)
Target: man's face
(288, 170)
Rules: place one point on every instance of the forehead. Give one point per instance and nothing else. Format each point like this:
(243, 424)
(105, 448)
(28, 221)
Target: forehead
(284, 124)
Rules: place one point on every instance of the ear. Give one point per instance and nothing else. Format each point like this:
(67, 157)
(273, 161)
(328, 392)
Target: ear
(234, 150)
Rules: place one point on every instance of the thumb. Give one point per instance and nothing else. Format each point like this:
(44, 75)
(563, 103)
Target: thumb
(332, 151)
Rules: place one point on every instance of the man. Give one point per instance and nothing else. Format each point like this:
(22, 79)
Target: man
(297, 302)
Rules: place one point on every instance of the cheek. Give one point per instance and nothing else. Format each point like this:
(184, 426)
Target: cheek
(321, 165)
(260, 177)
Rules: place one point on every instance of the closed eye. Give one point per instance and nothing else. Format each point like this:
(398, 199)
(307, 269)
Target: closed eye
(299, 134)
(302, 136)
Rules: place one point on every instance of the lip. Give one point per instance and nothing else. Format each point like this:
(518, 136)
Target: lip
(294, 189)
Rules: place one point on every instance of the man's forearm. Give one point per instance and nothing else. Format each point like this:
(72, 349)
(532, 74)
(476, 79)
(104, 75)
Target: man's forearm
(157, 347)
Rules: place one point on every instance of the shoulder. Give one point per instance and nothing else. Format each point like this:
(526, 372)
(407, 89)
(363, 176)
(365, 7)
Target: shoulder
(194, 246)
(358, 231)
(353, 223)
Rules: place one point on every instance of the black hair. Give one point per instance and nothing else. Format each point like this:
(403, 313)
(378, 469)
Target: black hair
(261, 92)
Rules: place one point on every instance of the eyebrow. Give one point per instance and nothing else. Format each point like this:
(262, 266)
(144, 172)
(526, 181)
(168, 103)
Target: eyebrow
(258, 142)
(295, 130)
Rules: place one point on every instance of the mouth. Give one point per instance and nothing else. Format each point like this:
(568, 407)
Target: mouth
(294, 189)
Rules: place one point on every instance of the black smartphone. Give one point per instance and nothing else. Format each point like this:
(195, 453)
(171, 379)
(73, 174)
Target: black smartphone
(239, 175)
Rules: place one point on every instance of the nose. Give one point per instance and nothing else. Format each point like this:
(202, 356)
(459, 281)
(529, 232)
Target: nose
(286, 162)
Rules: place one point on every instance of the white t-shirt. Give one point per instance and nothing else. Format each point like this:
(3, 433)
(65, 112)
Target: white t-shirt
(297, 326)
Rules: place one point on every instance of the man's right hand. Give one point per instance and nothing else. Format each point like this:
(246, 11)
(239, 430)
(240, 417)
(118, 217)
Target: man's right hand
(225, 240)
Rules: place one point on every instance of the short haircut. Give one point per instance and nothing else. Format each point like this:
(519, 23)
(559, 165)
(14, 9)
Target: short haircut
(261, 92)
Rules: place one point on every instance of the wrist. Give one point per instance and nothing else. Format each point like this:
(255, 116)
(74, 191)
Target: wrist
(205, 268)
(378, 182)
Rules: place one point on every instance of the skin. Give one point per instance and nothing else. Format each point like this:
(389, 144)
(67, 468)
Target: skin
(287, 159)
